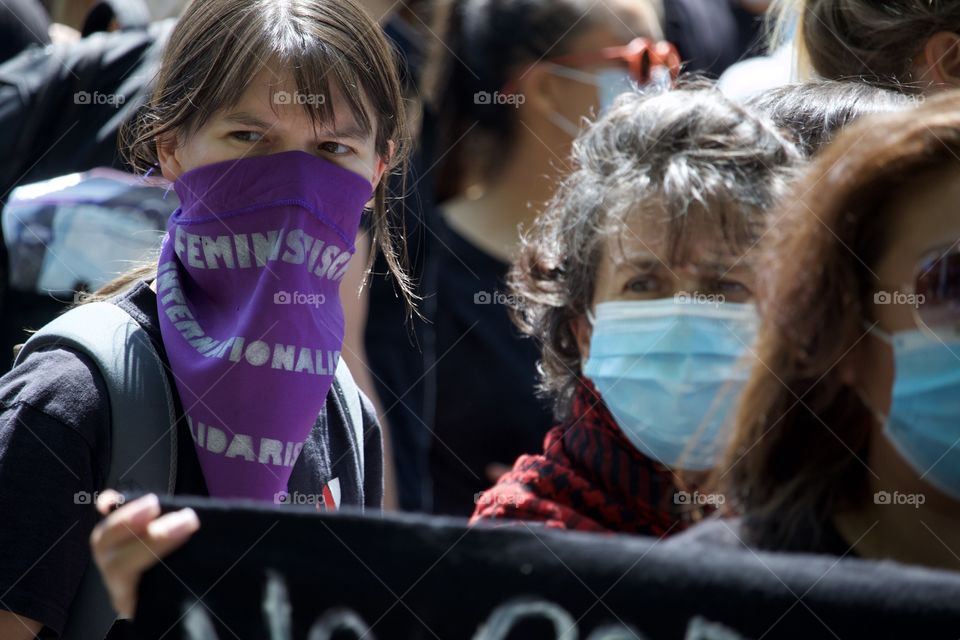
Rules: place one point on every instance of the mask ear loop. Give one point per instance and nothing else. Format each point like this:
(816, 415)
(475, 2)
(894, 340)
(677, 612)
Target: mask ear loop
(884, 336)
(875, 330)
(592, 321)
(564, 124)
(577, 75)
(558, 120)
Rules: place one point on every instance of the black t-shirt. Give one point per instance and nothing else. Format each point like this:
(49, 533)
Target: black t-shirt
(54, 455)
(484, 374)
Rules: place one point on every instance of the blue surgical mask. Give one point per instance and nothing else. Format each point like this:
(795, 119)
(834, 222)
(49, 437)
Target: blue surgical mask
(610, 83)
(924, 420)
(670, 373)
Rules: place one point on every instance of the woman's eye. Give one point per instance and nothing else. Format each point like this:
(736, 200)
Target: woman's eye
(731, 288)
(335, 148)
(647, 284)
(247, 136)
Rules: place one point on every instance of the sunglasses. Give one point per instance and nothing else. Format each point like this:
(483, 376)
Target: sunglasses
(645, 59)
(934, 294)
(937, 290)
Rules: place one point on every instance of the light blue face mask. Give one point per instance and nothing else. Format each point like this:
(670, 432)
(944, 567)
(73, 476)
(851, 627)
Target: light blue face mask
(924, 420)
(610, 83)
(670, 373)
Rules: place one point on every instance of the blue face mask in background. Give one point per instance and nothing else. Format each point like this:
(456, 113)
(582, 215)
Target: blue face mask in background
(670, 373)
(924, 420)
(610, 83)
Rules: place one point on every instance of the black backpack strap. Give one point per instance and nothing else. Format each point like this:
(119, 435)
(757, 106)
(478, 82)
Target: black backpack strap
(143, 438)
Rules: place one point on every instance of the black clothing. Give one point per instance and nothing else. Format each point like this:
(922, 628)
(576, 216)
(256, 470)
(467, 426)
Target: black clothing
(54, 457)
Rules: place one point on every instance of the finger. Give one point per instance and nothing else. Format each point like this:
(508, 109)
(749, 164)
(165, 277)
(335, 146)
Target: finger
(123, 565)
(495, 470)
(125, 523)
(107, 499)
(163, 536)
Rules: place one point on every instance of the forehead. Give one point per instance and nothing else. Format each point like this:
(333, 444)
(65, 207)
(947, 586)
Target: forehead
(274, 97)
(671, 239)
(925, 216)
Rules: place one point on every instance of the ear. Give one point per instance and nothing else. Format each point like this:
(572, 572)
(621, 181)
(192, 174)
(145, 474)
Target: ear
(382, 163)
(540, 90)
(583, 331)
(942, 58)
(168, 155)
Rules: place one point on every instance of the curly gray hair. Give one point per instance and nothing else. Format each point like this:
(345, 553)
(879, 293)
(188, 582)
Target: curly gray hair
(690, 155)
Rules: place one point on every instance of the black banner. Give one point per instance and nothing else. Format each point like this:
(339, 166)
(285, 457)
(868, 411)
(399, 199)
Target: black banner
(293, 574)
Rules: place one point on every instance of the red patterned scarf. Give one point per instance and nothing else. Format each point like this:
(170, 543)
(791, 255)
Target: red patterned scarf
(588, 478)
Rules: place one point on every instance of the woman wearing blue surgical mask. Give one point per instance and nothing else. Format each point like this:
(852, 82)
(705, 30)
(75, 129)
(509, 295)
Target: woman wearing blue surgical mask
(847, 440)
(513, 75)
(638, 283)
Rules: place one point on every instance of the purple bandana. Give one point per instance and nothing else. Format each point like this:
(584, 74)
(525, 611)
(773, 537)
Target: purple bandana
(248, 293)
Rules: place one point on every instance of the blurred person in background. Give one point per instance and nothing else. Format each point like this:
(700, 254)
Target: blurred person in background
(22, 23)
(61, 109)
(712, 35)
(910, 45)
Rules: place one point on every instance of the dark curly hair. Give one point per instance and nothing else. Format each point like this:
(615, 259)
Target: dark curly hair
(690, 156)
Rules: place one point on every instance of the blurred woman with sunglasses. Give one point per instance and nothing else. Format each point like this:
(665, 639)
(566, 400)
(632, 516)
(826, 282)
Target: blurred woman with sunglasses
(847, 439)
(514, 85)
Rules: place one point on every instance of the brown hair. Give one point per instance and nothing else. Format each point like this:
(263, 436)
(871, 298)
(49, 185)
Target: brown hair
(799, 431)
(688, 155)
(217, 46)
(865, 40)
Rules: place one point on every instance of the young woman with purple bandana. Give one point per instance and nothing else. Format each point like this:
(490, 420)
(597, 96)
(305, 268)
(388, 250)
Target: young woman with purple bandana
(276, 123)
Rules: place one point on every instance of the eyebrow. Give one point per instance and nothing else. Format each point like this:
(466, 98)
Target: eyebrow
(352, 131)
(642, 263)
(719, 268)
(649, 264)
(242, 117)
